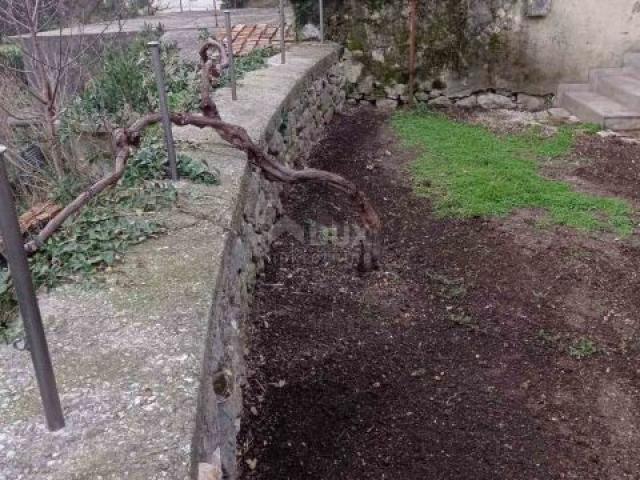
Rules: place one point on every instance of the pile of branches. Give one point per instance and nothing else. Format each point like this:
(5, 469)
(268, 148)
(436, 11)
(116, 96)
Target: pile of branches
(126, 140)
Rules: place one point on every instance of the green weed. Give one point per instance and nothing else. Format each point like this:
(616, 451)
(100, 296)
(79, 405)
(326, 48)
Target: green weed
(151, 163)
(582, 349)
(548, 338)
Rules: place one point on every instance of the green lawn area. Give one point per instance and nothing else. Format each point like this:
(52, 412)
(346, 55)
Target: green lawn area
(469, 171)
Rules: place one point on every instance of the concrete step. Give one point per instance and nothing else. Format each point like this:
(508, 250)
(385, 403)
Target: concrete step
(624, 89)
(594, 107)
(597, 73)
(565, 88)
(611, 98)
(632, 59)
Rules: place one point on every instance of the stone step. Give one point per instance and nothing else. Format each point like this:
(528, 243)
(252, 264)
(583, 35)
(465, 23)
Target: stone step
(594, 107)
(611, 98)
(565, 88)
(597, 73)
(632, 59)
(624, 89)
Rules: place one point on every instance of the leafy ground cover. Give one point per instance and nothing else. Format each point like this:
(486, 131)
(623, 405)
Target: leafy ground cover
(95, 240)
(99, 236)
(123, 90)
(471, 172)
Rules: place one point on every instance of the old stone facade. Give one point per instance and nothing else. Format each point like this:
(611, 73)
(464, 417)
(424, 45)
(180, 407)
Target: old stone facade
(515, 46)
(461, 45)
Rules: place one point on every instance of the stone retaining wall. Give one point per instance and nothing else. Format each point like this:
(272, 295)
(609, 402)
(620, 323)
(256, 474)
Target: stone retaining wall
(364, 87)
(294, 128)
(150, 358)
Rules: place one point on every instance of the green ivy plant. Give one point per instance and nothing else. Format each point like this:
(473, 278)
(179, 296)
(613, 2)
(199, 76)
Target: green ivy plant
(96, 239)
(99, 236)
(151, 163)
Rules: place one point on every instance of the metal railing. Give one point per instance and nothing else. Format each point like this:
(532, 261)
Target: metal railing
(158, 69)
(36, 341)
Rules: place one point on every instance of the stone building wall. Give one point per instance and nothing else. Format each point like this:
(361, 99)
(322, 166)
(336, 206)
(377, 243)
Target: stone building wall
(517, 46)
(290, 136)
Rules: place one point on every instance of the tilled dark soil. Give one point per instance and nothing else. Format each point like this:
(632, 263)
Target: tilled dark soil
(451, 362)
(613, 162)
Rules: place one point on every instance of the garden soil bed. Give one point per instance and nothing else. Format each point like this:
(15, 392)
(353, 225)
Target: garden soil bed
(455, 359)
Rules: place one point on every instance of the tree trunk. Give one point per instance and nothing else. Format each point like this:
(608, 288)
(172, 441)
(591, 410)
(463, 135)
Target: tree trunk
(413, 14)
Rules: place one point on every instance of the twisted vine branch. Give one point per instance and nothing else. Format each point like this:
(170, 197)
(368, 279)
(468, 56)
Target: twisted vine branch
(127, 139)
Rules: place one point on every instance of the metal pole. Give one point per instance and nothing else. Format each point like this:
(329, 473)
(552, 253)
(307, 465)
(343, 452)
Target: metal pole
(232, 63)
(321, 21)
(215, 11)
(164, 108)
(283, 26)
(413, 14)
(28, 302)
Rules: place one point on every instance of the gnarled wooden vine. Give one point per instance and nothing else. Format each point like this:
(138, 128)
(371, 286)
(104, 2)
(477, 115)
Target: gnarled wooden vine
(126, 139)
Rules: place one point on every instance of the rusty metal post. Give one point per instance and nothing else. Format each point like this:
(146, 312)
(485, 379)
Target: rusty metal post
(232, 62)
(321, 7)
(215, 11)
(413, 15)
(283, 26)
(25, 291)
(158, 69)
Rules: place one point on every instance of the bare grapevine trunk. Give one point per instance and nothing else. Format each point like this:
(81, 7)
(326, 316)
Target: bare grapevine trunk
(127, 139)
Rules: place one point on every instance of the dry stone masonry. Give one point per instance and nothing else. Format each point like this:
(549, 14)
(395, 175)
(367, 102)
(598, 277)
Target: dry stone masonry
(362, 87)
(291, 134)
(468, 46)
(468, 53)
(150, 362)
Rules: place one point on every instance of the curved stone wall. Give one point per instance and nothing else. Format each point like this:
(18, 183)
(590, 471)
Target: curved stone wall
(150, 359)
(289, 127)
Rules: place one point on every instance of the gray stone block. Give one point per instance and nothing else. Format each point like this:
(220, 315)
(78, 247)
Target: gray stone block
(492, 101)
(387, 104)
(531, 103)
(468, 102)
(538, 8)
(440, 102)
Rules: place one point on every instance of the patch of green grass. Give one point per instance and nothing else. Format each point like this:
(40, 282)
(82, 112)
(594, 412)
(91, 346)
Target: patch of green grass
(583, 348)
(472, 172)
